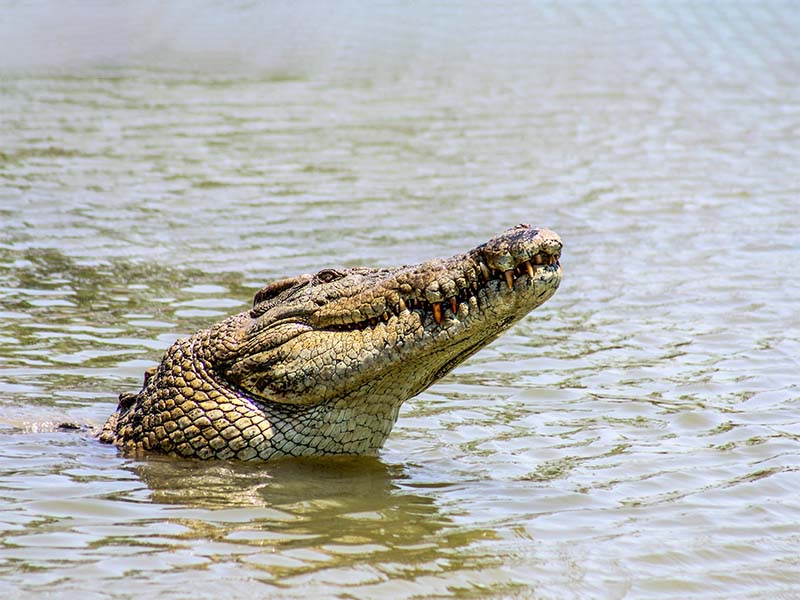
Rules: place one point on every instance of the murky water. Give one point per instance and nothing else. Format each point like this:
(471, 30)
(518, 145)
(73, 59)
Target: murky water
(638, 436)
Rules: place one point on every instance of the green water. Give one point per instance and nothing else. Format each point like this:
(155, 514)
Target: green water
(636, 437)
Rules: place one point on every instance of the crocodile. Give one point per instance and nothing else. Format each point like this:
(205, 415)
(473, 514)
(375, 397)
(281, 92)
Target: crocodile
(322, 362)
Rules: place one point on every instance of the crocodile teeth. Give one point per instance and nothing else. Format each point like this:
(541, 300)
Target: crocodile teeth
(484, 270)
(437, 312)
(529, 268)
(510, 279)
(402, 305)
(454, 305)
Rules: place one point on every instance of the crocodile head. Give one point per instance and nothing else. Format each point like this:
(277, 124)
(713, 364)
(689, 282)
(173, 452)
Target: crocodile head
(322, 362)
(388, 333)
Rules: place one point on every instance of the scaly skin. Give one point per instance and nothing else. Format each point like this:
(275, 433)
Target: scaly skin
(321, 364)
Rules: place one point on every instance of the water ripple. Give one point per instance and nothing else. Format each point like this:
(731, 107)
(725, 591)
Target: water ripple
(636, 436)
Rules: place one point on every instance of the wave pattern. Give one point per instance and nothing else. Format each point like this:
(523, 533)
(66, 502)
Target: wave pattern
(636, 436)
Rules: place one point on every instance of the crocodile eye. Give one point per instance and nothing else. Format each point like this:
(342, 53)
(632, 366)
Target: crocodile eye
(328, 275)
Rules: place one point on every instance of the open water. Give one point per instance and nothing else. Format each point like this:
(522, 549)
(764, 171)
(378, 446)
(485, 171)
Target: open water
(636, 437)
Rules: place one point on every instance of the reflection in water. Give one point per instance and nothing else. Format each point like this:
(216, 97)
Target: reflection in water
(287, 484)
(80, 516)
(296, 518)
(328, 490)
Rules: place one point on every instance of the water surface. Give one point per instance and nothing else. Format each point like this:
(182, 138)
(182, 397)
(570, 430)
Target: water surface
(638, 436)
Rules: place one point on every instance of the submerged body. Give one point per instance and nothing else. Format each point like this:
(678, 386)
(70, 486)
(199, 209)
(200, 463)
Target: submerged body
(322, 363)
